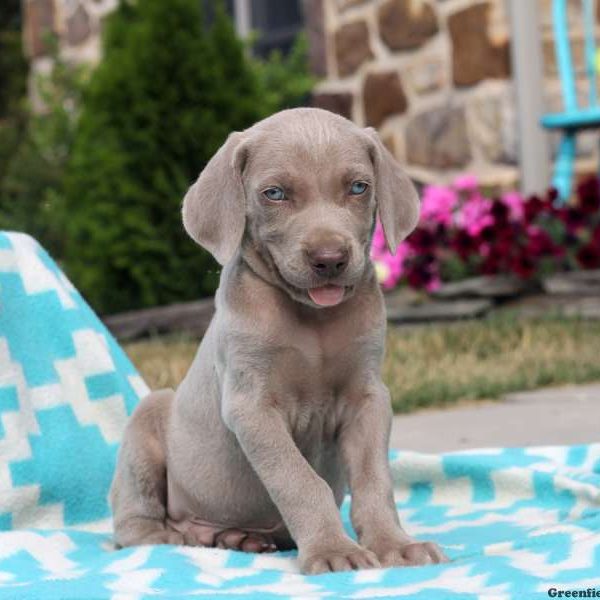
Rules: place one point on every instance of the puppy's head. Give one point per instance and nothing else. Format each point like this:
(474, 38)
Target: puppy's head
(303, 186)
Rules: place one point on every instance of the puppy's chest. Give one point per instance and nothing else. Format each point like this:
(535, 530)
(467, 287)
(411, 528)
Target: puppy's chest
(315, 379)
(318, 362)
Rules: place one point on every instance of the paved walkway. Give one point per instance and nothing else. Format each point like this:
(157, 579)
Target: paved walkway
(568, 415)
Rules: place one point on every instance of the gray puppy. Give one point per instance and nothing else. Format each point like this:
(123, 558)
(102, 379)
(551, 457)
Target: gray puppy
(284, 404)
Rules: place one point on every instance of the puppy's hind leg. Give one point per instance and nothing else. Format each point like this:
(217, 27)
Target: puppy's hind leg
(138, 494)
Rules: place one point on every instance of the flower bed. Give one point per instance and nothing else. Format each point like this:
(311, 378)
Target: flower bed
(462, 233)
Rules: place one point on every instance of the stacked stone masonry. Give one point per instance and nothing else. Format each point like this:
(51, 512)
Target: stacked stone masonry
(433, 76)
(76, 23)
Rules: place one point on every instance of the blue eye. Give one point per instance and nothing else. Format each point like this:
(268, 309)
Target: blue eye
(274, 193)
(358, 188)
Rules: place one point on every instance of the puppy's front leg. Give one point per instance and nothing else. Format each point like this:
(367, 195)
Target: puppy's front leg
(304, 499)
(364, 445)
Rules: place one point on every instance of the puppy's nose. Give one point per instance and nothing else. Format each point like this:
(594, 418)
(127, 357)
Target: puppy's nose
(328, 262)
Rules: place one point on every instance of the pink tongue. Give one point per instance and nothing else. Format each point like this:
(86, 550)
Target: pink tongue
(328, 295)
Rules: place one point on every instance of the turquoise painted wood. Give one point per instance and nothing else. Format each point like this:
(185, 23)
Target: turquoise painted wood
(573, 118)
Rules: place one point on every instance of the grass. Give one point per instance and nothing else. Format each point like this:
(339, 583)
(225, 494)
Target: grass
(437, 365)
(162, 361)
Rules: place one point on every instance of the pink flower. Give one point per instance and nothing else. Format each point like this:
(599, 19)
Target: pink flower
(438, 205)
(389, 267)
(466, 183)
(514, 201)
(506, 235)
(378, 244)
(434, 284)
(475, 214)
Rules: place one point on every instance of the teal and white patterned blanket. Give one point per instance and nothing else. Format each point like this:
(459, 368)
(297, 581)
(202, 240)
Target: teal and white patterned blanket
(517, 523)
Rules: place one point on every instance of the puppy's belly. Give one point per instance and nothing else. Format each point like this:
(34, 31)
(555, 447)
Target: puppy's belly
(224, 492)
(237, 501)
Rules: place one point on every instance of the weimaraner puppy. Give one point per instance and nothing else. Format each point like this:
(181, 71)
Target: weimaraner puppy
(284, 404)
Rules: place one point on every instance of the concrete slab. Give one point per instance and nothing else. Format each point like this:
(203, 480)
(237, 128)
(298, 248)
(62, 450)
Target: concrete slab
(567, 415)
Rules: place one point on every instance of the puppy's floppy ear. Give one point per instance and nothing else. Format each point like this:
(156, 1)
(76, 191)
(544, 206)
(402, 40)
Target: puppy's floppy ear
(398, 203)
(214, 208)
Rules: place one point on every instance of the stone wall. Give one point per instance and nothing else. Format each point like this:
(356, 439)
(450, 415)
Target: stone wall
(434, 77)
(76, 24)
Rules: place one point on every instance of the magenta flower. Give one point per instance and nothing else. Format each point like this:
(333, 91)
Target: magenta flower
(466, 183)
(389, 267)
(438, 205)
(378, 245)
(434, 283)
(515, 202)
(463, 233)
(475, 215)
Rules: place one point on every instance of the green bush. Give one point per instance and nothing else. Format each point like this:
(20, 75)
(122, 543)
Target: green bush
(13, 80)
(37, 147)
(33, 147)
(13, 66)
(285, 80)
(169, 90)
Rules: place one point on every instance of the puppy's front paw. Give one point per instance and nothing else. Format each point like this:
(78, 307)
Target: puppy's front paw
(345, 556)
(408, 552)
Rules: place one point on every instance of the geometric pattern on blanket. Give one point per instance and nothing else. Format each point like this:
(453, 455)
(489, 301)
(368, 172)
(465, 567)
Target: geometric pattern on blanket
(515, 522)
(66, 388)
